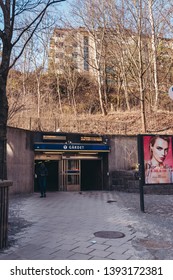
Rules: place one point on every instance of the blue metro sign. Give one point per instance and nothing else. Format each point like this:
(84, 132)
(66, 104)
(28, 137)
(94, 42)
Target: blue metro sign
(71, 147)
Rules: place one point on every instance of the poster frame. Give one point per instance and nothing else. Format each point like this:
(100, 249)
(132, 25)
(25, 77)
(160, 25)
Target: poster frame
(141, 164)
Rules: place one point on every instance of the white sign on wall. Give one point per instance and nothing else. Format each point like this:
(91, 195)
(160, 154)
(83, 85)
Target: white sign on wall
(170, 92)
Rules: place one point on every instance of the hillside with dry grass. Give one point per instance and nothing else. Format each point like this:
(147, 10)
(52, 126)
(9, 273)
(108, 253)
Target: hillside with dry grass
(124, 123)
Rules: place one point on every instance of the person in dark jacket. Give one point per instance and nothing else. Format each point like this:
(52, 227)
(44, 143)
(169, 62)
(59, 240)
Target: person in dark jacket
(42, 177)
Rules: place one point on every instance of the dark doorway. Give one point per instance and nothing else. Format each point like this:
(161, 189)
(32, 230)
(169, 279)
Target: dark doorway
(91, 175)
(52, 178)
(53, 171)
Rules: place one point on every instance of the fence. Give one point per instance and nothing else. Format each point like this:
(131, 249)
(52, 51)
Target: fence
(72, 125)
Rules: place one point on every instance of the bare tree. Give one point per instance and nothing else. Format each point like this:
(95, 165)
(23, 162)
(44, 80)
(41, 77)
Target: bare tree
(157, 11)
(154, 49)
(15, 94)
(13, 26)
(92, 16)
(127, 28)
(141, 70)
(54, 68)
(63, 65)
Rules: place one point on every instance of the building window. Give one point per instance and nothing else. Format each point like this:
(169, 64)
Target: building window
(59, 44)
(75, 45)
(75, 55)
(59, 55)
(86, 54)
(60, 35)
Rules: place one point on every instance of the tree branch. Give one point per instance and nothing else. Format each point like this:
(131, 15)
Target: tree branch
(50, 2)
(36, 21)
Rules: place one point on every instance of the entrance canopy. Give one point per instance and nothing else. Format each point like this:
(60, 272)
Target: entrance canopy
(80, 162)
(72, 147)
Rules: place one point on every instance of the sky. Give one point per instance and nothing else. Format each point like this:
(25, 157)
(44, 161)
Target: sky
(64, 9)
(65, 5)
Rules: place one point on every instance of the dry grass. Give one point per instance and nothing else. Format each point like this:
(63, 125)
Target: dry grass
(127, 123)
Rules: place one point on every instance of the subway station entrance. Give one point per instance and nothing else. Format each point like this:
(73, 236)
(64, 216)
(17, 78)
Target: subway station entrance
(72, 166)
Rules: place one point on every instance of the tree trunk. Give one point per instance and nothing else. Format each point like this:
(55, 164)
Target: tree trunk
(102, 105)
(153, 43)
(74, 102)
(119, 84)
(3, 125)
(59, 93)
(141, 72)
(142, 98)
(38, 97)
(124, 75)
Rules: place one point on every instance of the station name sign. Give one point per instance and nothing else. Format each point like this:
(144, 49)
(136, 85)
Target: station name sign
(71, 147)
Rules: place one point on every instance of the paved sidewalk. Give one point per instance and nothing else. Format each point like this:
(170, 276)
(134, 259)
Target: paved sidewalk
(62, 226)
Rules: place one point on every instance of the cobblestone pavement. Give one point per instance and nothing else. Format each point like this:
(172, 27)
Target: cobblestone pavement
(62, 226)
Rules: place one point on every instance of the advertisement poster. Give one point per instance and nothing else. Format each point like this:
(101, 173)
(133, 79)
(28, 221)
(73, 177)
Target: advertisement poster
(158, 159)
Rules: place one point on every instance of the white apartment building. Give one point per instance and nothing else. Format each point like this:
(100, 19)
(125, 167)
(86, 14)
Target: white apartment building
(71, 48)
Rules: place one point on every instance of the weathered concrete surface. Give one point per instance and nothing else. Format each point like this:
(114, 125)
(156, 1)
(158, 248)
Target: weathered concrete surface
(20, 160)
(62, 226)
(124, 152)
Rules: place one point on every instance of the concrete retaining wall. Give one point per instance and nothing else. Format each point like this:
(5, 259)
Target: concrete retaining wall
(123, 159)
(124, 153)
(20, 160)
(123, 180)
